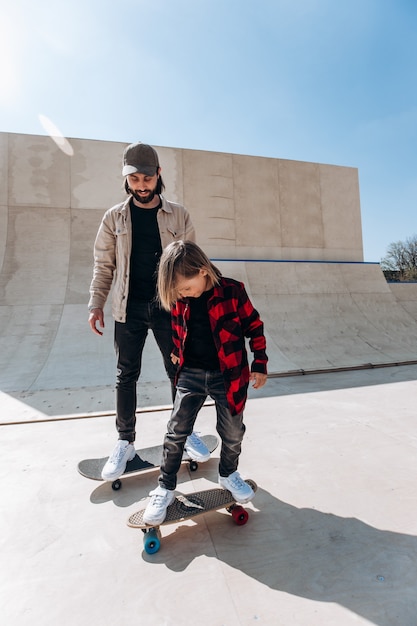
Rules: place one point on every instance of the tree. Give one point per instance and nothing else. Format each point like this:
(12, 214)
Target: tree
(401, 258)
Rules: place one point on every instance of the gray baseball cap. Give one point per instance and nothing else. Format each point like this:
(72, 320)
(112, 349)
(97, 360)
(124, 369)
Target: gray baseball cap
(140, 158)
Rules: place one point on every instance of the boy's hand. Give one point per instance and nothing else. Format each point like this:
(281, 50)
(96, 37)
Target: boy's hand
(258, 379)
(175, 359)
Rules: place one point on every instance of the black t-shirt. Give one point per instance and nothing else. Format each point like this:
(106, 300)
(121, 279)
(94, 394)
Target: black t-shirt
(200, 350)
(146, 251)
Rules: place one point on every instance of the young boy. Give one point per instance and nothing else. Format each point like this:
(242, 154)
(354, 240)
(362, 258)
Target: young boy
(211, 316)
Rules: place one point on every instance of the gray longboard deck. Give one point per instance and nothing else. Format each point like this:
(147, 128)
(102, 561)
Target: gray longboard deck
(145, 459)
(190, 505)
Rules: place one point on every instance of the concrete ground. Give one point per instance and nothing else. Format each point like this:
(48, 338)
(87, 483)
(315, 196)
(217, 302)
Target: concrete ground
(331, 539)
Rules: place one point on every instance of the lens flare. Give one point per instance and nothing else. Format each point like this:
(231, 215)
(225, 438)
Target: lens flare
(56, 135)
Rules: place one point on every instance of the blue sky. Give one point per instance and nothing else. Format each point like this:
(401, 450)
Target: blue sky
(310, 80)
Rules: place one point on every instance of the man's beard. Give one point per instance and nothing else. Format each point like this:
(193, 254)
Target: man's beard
(144, 199)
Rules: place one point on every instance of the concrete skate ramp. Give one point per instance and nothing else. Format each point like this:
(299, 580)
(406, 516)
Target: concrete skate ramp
(328, 315)
(318, 314)
(49, 358)
(406, 296)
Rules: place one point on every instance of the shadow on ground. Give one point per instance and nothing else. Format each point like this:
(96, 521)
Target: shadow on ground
(310, 554)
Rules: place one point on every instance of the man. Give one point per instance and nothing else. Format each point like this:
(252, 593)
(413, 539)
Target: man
(127, 249)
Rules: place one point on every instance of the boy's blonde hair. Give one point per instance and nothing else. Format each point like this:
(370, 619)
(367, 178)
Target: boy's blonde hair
(182, 258)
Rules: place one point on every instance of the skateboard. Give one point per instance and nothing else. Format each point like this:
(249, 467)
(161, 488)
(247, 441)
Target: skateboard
(145, 459)
(189, 506)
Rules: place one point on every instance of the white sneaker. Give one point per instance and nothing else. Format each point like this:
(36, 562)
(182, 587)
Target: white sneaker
(156, 509)
(116, 463)
(196, 448)
(241, 491)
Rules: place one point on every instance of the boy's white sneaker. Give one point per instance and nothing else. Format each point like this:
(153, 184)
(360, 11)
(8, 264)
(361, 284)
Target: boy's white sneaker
(241, 491)
(156, 509)
(196, 448)
(116, 463)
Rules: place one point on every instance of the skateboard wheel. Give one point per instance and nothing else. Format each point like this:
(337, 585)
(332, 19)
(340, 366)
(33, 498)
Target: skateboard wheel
(151, 541)
(193, 466)
(116, 485)
(240, 515)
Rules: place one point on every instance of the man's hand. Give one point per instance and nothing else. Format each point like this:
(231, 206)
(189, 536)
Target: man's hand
(96, 315)
(258, 379)
(174, 359)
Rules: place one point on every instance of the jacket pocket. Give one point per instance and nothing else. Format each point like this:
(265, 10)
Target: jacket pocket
(230, 331)
(176, 234)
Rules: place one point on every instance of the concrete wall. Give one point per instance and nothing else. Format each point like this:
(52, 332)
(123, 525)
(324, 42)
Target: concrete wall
(322, 306)
(242, 207)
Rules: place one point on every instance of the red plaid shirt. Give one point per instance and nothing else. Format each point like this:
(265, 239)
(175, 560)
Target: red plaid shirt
(232, 318)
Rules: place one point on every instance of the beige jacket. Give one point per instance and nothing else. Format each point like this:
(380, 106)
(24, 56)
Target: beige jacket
(113, 246)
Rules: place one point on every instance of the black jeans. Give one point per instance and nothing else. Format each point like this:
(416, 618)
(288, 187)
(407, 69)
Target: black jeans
(129, 341)
(193, 387)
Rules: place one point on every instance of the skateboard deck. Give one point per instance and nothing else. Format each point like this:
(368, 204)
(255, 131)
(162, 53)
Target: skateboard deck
(188, 506)
(145, 459)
